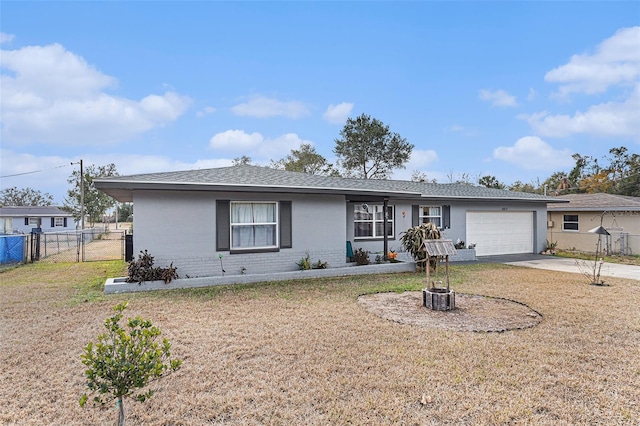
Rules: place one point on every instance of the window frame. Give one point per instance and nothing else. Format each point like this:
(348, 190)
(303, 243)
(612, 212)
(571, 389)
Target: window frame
(576, 222)
(377, 208)
(58, 222)
(421, 215)
(254, 248)
(34, 221)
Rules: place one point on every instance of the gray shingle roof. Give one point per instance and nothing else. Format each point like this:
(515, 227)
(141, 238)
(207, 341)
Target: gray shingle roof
(597, 202)
(266, 179)
(33, 211)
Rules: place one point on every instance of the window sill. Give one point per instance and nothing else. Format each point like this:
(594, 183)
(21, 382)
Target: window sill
(373, 239)
(254, 250)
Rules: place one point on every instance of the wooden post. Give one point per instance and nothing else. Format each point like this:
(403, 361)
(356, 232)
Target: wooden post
(447, 263)
(426, 266)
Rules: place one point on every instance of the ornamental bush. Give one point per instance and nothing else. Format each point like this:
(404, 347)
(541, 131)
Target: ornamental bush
(413, 238)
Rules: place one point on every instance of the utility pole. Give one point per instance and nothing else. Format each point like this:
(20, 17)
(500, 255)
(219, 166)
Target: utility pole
(81, 194)
(81, 246)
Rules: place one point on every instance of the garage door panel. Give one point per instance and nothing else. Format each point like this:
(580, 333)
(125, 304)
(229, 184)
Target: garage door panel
(500, 232)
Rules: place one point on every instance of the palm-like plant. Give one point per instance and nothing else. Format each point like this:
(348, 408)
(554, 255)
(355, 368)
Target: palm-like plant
(413, 238)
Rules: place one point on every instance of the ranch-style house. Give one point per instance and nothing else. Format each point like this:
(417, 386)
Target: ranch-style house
(253, 220)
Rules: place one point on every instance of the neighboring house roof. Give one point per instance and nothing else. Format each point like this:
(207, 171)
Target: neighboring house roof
(33, 211)
(247, 178)
(597, 202)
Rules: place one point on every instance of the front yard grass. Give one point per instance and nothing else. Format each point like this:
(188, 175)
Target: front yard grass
(305, 352)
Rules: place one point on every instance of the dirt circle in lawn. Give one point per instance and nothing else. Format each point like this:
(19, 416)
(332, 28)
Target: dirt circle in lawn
(472, 313)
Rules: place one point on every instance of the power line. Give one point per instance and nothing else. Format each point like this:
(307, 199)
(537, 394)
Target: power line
(35, 171)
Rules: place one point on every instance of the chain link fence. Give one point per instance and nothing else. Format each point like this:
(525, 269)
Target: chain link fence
(93, 244)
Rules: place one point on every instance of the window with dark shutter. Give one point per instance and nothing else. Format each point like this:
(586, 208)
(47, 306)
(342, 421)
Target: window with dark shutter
(415, 215)
(446, 217)
(286, 237)
(223, 223)
(253, 226)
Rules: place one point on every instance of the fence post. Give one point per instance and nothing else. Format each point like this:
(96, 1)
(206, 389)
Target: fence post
(128, 252)
(35, 244)
(78, 237)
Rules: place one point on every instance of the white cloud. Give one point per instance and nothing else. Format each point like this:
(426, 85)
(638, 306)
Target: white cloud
(421, 158)
(532, 94)
(234, 140)
(54, 96)
(610, 119)
(262, 107)
(499, 98)
(6, 38)
(532, 153)
(255, 145)
(616, 61)
(615, 64)
(338, 114)
(205, 111)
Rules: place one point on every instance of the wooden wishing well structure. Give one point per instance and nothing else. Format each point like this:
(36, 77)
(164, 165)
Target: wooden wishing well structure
(433, 296)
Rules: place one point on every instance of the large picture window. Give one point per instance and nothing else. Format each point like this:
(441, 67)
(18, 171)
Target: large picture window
(431, 214)
(570, 222)
(368, 221)
(254, 225)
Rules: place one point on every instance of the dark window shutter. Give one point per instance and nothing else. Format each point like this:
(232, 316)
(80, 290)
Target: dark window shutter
(53, 222)
(446, 217)
(26, 220)
(415, 215)
(223, 225)
(286, 240)
(65, 222)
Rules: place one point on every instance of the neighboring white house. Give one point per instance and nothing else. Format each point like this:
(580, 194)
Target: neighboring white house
(23, 219)
(254, 219)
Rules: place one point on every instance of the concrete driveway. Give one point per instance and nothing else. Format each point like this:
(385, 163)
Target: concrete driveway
(563, 264)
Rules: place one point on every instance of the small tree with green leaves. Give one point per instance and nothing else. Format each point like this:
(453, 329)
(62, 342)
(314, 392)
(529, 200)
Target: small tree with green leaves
(413, 238)
(125, 360)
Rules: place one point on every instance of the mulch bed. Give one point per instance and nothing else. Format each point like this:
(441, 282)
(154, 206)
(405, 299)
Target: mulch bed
(472, 313)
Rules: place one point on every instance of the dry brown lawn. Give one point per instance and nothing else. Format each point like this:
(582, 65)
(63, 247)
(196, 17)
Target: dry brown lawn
(309, 353)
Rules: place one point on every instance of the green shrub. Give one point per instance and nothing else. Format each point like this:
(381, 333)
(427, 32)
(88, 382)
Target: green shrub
(305, 263)
(125, 360)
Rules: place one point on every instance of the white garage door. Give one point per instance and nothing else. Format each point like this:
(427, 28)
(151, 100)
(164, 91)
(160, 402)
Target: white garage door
(500, 232)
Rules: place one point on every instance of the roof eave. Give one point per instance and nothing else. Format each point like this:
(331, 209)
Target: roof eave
(123, 191)
(593, 209)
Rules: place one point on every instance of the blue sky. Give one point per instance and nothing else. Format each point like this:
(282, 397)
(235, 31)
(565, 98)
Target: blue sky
(510, 89)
